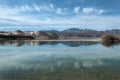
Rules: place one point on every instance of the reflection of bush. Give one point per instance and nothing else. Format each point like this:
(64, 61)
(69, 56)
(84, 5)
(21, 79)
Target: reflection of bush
(110, 44)
(110, 40)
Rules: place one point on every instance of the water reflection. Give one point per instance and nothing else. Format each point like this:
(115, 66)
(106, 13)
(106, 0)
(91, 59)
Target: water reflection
(110, 44)
(63, 70)
(22, 43)
(19, 43)
(58, 61)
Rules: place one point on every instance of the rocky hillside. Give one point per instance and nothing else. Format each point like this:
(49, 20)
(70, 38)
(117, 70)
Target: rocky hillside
(72, 33)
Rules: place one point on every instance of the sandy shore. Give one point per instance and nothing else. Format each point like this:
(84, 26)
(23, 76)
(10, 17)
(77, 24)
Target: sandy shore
(71, 40)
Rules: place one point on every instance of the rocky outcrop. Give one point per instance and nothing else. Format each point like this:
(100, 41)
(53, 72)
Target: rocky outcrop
(28, 35)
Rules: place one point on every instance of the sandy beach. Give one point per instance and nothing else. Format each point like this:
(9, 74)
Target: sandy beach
(70, 40)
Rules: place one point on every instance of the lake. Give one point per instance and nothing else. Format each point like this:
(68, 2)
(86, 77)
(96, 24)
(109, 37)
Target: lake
(34, 60)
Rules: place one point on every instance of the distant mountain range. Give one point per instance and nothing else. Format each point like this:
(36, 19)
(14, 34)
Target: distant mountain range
(85, 32)
(72, 33)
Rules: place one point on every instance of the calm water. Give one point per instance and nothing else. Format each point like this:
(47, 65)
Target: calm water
(30, 60)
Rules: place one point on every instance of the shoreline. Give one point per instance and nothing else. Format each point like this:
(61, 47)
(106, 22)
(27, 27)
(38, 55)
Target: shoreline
(62, 40)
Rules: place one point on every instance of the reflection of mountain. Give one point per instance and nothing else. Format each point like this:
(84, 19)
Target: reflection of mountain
(76, 44)
(58, 62)
(19, 43)
(22, 43)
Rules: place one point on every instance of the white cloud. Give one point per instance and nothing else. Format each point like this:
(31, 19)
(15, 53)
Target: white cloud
(92, 11)
(45, 7)
(16, 12)
(90, 22)
(5, 10)
(81, 20)
(100, 11)
(88, 10)
(52, 7)
(37, 8)
(24, 8)
(59, 11)
(27, 7)
(9, 12)
(77, 10)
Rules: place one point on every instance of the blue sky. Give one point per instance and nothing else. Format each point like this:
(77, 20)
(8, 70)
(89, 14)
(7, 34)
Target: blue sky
(59, 14)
